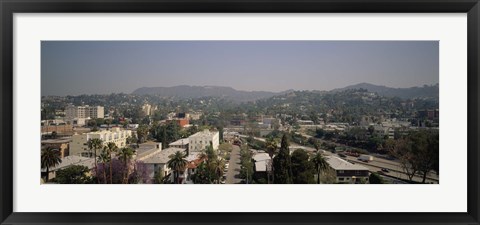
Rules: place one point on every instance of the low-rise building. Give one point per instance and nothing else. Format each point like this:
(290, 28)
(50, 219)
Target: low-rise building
(79, 146)
(346, 172)
(181, 143)
(61, 144)
(157, 160)
(200, 140)
(70, 161)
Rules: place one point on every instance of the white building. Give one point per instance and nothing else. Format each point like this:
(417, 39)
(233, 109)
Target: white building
(200, 140)
(156, 162)
(181, 143)
(147, 109)
(79, 146)
(79, 114)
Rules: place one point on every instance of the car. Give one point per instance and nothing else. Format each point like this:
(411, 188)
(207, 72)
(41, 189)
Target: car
(342, 155)
(226, 166)
(385, 170)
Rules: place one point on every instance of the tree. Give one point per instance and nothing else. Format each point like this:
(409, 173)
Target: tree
(374, 178)
(50, 157)
(302, 169)
(111, 148)
(271, 148)
(158, 178)
(403, 152)
(282, 164)
(94, 145)
(103, 158)
(418, 152)
(320, 164)
(217, 167)
(178, 164)
(142, 132)
(75, 174)
(125, 155)
(220, 133)
(426, 148)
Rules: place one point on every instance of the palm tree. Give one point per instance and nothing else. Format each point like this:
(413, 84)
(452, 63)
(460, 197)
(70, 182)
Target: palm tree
(177, 163)
(125, 155)
(271, 147)
(50, 157)
(104, 158)
(217, 166)
(320, 164)
(95, 144)
(111, 148)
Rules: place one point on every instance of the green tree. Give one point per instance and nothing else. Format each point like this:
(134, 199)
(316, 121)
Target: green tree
(142, 133)
(50, 157)
(178, 164)
(104, 158)
(271, 148)
(374, 178)
(320, 164)
(94, 145)
(111, 148)
(125, 155)
(302, 168)
(75, 174)
(158, 178)
(282, 164)
(217, 167)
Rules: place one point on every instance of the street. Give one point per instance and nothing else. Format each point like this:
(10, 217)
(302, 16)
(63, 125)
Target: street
(233, 171)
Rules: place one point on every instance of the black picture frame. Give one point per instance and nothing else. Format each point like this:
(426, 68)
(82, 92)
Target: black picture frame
(9, 7)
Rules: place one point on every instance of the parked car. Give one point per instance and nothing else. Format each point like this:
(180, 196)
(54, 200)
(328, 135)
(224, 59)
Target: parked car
(385, 170)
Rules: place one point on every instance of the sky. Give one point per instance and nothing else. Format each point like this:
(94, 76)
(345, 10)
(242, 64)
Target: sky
(104, 67)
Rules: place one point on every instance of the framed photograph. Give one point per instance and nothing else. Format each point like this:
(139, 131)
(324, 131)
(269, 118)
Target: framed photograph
(239, 112)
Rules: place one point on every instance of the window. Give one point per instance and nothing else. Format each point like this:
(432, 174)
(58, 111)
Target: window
(341, 171)
(340, 178)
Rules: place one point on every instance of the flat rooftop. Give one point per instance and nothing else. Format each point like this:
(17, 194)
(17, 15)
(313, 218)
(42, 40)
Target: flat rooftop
(340, 164)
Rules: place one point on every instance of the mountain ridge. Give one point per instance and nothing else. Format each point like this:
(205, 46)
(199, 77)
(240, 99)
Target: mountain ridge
(187, 91)
(425, 91)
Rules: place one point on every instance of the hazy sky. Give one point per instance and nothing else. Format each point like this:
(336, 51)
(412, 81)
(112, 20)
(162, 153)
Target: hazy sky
(103, 67)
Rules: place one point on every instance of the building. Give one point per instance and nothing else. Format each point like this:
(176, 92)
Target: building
(262, 162)
(156, 162)
(200, 140)
(147, 109)
(57, 128)
(346, 172)
(181, 143)
(61, 144)
(182, 122)
(77, 115)
(79, 146)
(70, 161)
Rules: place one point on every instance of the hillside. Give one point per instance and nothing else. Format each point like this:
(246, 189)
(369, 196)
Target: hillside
(185, 91)
(405, 93)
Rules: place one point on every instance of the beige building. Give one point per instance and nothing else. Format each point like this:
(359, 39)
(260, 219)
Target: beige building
(79, 146)
(147, 109)
(200, 140)
(61, 144)
(79, 114)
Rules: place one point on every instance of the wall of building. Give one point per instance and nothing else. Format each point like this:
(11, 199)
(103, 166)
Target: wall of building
(118, 136)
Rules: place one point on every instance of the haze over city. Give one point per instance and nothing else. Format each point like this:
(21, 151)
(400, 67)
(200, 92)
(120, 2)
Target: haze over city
(104, 67)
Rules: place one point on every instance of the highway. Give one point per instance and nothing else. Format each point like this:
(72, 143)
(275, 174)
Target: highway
(396, 170)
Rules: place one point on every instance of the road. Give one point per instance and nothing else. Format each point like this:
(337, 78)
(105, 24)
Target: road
(233, 171)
